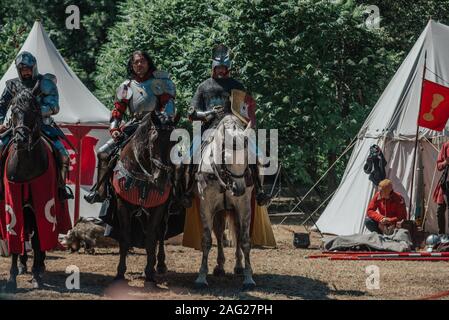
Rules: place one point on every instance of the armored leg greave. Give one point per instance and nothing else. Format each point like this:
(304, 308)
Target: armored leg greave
(64, 192)
(98, 193)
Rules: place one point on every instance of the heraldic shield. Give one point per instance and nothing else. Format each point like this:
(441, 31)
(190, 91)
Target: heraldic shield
(243, 106)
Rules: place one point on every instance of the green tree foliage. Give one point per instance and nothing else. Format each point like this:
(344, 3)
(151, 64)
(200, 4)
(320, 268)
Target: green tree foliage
(313, 68)
(317, 72)
(12, 36)
(178, 34)
(405, 20)
(79, 47)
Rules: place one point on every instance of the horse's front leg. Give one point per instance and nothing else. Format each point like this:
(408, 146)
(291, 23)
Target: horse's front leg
(125, 241)
(11, 285)
(219, 228)
(161, 266)
(121, 268)
(23, 259)
(38, 261)
(150, 246)
(244, 216)
(238, 268)
(207, 222)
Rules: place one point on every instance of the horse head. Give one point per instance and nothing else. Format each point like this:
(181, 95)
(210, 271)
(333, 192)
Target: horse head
(26, 119)
(153, 146)
(230, 154)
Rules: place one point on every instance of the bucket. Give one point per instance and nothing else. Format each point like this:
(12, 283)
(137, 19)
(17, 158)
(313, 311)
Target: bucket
(301, 240)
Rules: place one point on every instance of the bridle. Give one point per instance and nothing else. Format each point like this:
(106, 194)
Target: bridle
(17, 130)
(154, 162)
(222, 173)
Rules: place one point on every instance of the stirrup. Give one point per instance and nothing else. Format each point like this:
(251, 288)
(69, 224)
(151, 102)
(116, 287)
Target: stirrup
(262, 199)
(186, 200)
(93, 197)
(65, 193)
(175, 207)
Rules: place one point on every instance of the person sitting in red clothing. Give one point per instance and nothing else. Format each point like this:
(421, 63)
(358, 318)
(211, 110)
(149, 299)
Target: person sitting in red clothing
(386, 211)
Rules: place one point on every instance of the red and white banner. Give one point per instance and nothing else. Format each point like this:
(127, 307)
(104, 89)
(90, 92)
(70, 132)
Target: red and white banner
(90, 145)
(88, 160)
(434, 110)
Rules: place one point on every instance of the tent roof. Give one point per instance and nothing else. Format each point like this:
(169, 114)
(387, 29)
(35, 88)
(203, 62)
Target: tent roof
(392, 125)
(77, 104)
(396, 112)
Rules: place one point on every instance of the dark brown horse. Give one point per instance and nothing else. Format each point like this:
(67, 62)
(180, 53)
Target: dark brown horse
(144, 164)
(27, 159)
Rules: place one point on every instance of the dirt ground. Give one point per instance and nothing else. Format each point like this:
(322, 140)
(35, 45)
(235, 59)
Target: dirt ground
(282, 273)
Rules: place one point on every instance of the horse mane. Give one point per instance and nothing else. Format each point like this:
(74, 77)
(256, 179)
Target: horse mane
(142, 136)
(228, 122)
(24, 98)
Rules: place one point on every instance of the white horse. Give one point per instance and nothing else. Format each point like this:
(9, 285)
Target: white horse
(222, 185)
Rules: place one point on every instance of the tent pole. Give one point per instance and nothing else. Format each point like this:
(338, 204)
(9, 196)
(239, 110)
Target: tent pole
(79, 132)
(78, 179)
(416, 140)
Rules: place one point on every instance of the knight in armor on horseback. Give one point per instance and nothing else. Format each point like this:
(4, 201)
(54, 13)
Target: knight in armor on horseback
(47, 97)
(212, 101)
(146, 90)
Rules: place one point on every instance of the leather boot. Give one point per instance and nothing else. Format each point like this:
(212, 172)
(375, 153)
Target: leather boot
(261, 197)
(65, 192)
(98, 194)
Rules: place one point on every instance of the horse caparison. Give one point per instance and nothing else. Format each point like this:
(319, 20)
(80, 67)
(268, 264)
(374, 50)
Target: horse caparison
(27, 159)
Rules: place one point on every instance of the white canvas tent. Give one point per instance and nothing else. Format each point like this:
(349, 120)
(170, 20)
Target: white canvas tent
(78, 104)
(80, 111)
(392, 125)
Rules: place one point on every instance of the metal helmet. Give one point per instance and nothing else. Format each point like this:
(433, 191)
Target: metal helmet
(432, 241)
(374, 151)
(26, 59)
(221, 56)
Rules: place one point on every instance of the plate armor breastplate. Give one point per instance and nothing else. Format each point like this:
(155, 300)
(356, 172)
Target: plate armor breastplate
(143, 98)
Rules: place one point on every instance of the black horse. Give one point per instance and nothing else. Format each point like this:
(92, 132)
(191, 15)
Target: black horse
(27, 159)
(144, 164)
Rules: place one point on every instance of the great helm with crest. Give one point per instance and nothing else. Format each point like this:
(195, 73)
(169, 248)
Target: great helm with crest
(26, 60)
